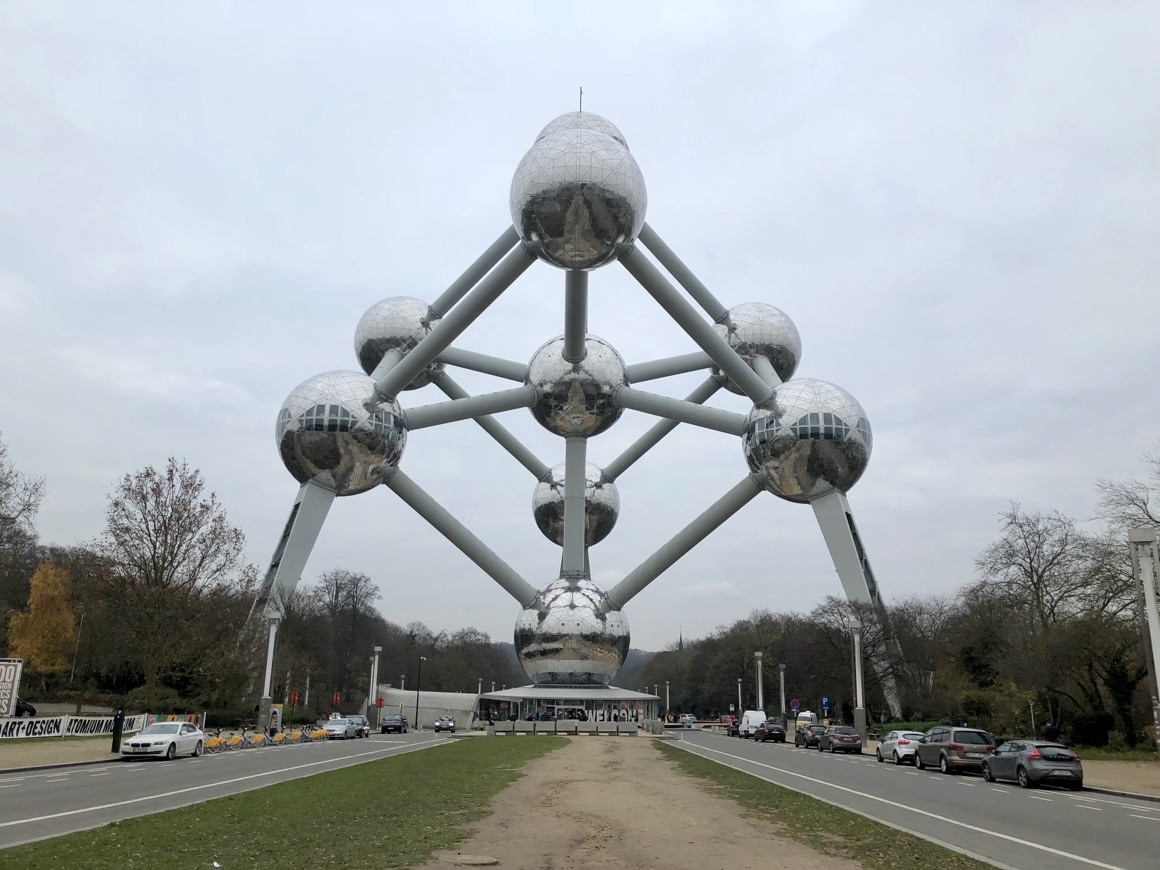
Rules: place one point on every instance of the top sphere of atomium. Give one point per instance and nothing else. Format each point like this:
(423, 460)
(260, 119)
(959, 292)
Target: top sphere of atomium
(755, 329)
(397, 324)
(577, 398)
(582, 121)
(570, 635)
(601, 505)
(578, 198)
(810, 439)
(334, 429)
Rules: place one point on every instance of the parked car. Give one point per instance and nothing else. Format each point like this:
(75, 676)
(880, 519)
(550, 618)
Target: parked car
(340, 729)
(688, 720)
(734, 728)
(770, 729)
(750, 719)
(840, 738)
(1031, 763)
(952, 749)
(23, 708)
(362, 726)
(396, 722)
(444, 723)
(898, 746)
(164, 740)
(808, 736)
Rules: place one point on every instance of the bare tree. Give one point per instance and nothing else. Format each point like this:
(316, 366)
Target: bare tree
(1132, 503)
(20, 497)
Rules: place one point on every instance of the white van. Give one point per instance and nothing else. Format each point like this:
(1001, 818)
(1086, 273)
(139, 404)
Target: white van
(750, 719)
(805, 717)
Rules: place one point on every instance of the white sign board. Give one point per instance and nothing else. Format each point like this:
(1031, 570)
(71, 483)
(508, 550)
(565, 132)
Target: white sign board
(9, 685)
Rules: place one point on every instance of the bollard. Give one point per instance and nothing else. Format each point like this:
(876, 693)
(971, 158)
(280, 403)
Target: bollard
(118, 729)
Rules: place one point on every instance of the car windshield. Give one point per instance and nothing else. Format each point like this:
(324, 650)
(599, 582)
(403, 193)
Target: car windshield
(843, 729)
(341, 723)
(977, 738)
(1055, 749)
(911, 735)
(161, 728)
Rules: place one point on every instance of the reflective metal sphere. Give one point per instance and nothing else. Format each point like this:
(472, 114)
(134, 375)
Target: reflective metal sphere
(601, 505)
(578, 199)
(398, 323)
(571, 636)
(326, 433)
(812, 438)
(756, 329)
(583, 121)
(577, 398)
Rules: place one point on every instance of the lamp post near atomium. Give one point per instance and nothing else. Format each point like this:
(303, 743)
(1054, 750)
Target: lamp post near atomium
(344, 433)
(760, 689)
(418, 685)
(859, 694)
(781, 675)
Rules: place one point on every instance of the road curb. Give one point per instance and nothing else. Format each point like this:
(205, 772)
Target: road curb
(1128, 794)
(8, 770)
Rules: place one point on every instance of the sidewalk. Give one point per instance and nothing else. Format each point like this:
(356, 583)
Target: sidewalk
(1120, 777)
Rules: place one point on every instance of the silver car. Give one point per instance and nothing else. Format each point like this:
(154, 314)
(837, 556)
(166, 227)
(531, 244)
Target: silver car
(899, 746)
(1031, 763)
(340, 729)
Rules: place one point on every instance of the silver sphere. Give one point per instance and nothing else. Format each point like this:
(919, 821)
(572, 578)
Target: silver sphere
(571, 636)
(755, 329)
(577, 398)
(398, 323)
(578, 199)
(583, 121)
(335, 429)
(812, 438)
(601, 505)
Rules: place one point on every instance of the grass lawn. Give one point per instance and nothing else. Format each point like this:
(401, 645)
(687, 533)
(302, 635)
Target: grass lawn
(828, 829)
(395, 812)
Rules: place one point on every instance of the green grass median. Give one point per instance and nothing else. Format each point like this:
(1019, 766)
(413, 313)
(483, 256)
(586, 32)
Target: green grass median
(814, 823)
(395, 812)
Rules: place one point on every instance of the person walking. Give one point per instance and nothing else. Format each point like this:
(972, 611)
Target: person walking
(1051, 732)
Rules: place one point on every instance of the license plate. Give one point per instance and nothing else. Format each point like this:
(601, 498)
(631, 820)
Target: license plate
(1062, 773)
(974, 755)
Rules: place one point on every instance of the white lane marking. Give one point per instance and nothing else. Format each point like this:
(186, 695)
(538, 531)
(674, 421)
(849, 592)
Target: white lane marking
(13, 785)
(912, 773)
(873, 797)
(1036, 797)
(14, 779)
(205, 786)
(58, 779)
(106, 773)
(1000, 790)
(1142, 809)
(935, 777)
(968, 784)
(1086, 807)
(1145, 818)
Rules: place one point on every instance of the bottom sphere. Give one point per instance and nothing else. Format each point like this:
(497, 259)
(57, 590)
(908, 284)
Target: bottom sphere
(571, 636)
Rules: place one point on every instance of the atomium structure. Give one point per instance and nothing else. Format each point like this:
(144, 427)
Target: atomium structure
(578, 203)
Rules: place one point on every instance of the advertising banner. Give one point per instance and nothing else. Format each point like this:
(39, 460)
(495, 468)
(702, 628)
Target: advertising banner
(65, 726)
(9, 685)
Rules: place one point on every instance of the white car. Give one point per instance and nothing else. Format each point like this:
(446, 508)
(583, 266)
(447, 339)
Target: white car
(340, 729)
(688, 720)
(898, 746)
(164, 740)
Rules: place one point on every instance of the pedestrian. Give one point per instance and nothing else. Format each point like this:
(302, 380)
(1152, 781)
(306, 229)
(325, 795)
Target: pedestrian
(1051, 732)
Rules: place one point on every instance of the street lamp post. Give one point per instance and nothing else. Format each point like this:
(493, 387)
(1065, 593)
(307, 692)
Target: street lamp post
(760, 689)
(739, 697)
(668, 706)
(373, 716)
(479, 691)
(418, 684)
(859, 698)
(402, 682)
(781, 674)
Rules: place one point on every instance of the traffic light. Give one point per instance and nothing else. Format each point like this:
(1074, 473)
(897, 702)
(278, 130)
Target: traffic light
(293, 699)
(379, 703)
(337, 699)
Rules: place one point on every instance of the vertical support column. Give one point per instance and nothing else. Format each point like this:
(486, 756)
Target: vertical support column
(760, 687)
(859, 694)
(266, 703)
(1144, 566)
(575, 316)
(574, 563)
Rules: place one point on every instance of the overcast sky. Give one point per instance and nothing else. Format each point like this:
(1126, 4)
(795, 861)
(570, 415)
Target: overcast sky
(957, 203)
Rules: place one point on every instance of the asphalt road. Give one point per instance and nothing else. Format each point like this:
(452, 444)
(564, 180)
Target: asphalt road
(47, 803)
(1028, 829)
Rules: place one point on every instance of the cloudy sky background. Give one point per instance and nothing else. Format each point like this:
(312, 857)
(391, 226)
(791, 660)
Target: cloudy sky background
(956, 203)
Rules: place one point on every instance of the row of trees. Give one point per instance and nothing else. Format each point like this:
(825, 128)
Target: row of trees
(154, 614)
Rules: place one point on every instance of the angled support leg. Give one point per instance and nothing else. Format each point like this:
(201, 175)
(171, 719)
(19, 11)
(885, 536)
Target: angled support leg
(683, 274)
(496, 430)
(659, 430)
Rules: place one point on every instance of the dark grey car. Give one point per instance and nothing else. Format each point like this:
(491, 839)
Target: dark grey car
(1031, 763)
(952, 749)
(840, 738)
(808, 735)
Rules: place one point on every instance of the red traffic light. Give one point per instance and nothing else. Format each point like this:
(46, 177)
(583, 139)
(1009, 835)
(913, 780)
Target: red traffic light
(337, 699)
(379, 703)
(293, 699)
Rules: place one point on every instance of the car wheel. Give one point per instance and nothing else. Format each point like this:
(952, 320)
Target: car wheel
(944, 765)
(897, 761)
(198, 749)
(878, 755)
(833, 749)
(171, 752)
(918, 762)
(987, 775)
(1024, 779)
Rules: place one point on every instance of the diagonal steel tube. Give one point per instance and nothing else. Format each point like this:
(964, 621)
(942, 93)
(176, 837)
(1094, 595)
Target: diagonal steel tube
(684, 275)
(659, 430)
(455, 532)
(482, 362)
(727, 359)
(475, 272)
(729, 422)
(465, 409)
(497, 431)
(663, 368)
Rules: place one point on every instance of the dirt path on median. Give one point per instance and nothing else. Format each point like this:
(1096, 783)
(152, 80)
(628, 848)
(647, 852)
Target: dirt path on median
(616, 802)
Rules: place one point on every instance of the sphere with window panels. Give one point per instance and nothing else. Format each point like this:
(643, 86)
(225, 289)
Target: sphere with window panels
(570, 635)
(335, 429)
(577, 398)
(755, 329)
(578, 198)
(810, 439)
(398, 323)
(601, 505)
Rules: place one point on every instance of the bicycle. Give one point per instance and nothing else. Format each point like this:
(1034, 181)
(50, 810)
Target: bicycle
(216, 743)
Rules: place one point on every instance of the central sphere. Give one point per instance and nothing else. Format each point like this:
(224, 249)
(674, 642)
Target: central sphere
(577, 398)
(578, 198)
(755, 329)
(571, 636)
(601, 505)
(812, 438)
(398, 324)
(334, 429)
